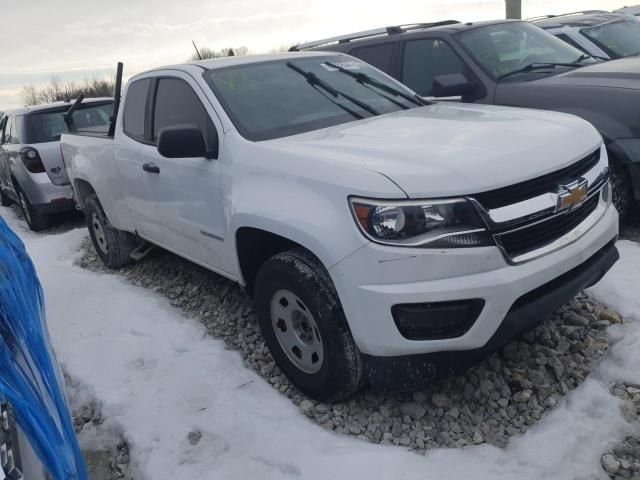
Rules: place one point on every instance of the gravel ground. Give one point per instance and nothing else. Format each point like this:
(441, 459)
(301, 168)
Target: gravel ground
(102, 463)
(499, 398)
(622, 461)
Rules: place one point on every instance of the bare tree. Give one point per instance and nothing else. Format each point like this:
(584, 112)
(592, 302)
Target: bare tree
(29, 94)
(59, 90)
(514, 9)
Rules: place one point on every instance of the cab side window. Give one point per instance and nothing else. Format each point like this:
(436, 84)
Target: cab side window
(425, 59)
(177, 104)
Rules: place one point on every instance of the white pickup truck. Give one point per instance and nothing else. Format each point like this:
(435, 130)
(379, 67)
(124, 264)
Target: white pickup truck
(383, 237)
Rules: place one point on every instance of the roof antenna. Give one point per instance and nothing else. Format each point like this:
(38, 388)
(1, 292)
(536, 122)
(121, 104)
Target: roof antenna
(197, 51)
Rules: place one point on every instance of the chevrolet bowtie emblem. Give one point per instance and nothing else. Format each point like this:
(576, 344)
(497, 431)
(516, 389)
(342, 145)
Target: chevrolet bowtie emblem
(572, 195)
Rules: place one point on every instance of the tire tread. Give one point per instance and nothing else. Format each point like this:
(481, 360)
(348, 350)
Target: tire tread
(120, 243)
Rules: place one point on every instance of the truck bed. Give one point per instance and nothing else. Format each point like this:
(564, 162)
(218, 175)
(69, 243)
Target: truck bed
(101, 131)
(91, 167)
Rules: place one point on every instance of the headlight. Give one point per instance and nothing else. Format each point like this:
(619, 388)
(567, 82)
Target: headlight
(421, 223)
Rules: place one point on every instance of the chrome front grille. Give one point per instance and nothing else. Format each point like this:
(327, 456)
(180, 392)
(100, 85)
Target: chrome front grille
(548, 212)
(529, 189)
(532, 237)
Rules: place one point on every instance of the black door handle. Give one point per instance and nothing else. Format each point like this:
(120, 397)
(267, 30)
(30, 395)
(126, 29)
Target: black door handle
(151, 168)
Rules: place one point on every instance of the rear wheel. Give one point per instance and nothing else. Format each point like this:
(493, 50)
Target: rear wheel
(113, 246)
(35, 221)
(304, 326)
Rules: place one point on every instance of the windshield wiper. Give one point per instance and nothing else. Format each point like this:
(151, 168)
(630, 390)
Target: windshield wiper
(333, 100)
(586, 56)
(366, 79)
(313, 80)
(539, 66)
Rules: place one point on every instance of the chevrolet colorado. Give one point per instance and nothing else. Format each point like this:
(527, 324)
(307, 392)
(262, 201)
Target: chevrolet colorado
(379, 234)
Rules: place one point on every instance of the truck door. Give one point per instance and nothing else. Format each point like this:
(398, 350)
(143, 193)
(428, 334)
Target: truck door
(129, 160)
(188, 215)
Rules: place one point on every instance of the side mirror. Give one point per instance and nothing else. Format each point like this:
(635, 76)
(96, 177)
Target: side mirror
(452, 85)
(183, 141)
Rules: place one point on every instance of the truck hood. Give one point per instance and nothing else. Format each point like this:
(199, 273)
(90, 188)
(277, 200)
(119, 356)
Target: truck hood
(622, 73)
(448, 149)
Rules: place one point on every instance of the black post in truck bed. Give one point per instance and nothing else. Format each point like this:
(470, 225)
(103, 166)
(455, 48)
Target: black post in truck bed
(117, 94)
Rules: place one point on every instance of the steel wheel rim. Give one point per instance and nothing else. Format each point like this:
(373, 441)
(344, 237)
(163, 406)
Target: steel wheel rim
(25, 207)
(297, 331)
(98, 233)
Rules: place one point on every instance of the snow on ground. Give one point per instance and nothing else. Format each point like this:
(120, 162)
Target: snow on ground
(620, 290)
(158, 376)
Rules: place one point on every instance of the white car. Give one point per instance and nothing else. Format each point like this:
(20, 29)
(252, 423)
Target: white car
(383, 237)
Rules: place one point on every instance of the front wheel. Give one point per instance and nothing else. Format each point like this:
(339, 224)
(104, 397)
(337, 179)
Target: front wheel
(113, 246)
(303, 325)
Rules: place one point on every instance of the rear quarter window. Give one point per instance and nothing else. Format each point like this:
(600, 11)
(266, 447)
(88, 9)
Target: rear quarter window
(380, 56)
(134, 108)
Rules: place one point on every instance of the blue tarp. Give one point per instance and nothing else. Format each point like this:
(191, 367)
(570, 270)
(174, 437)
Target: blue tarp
(29, 375)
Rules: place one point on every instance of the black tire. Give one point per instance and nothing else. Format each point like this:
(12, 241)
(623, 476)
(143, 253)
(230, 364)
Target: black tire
(113, 246)
(621, 189)
(298, 272)
(5, 200)
(35, 221)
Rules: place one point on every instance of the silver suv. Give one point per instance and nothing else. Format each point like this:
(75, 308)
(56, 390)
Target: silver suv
(32, 171)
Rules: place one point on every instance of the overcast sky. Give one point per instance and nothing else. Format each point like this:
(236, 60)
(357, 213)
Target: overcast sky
(77, 39)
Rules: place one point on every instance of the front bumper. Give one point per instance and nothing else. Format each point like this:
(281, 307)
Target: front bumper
(411, 371)
(375, 278)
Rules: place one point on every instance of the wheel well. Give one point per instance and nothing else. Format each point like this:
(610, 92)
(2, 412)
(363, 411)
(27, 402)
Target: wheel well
(83, 190)
(614, 162)
(254, 247)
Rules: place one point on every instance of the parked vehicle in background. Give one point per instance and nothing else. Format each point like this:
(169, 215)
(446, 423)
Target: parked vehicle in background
(383, 237)
(32, 172)
(600, 34)
(513, 63)
(633, 10)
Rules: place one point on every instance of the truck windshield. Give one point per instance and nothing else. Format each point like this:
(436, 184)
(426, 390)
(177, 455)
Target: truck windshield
(619, 38)
(285, 97)
(47, 126)
(511, 46)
